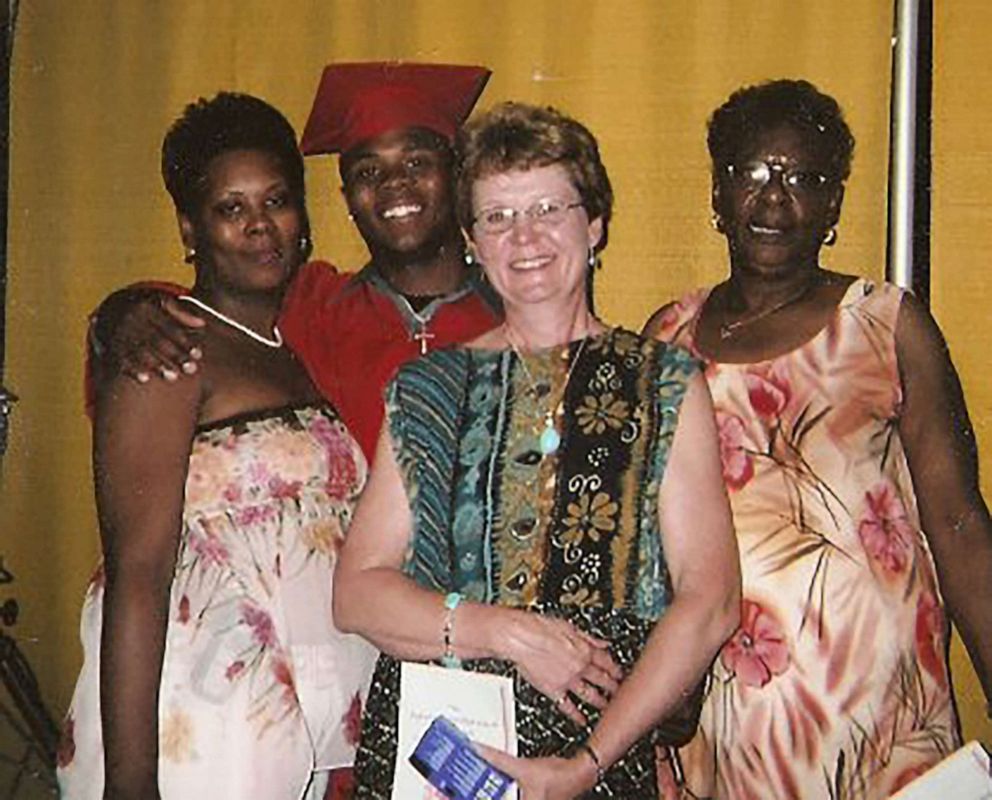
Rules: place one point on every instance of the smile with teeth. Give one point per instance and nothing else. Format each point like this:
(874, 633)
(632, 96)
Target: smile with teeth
(402, 211)
(764, 230)
(531, 263)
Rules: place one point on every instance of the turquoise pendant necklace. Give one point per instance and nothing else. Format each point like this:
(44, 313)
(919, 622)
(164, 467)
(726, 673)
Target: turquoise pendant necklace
(550, 440)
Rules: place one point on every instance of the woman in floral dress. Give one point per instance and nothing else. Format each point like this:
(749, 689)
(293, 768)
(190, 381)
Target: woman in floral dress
(212, 668)
(851, 468)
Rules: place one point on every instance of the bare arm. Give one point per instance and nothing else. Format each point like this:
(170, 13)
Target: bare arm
(701, 552)
(406, 620)
(142, 440)
(942, 455)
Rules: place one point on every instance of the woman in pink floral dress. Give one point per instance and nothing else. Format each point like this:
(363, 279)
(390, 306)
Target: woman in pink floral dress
(852, 475)
(212, 668)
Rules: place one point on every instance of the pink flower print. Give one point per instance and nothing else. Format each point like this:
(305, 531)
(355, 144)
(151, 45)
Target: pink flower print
(254, 515)
(884, 530)
(261, 625)
(234, 669)
(758, 650)
(738, 466)
(259, 473)
(232, 493)
(281, 489)
(283, 673)
(66, 750)
(342, 475)
(183, 615)
(768, 390)
(209, 474)
(209, 548)
(352, 720)
(930, 629)
(342, 471)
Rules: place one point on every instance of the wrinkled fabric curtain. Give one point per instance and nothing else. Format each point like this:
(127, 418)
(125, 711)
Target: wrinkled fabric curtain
(95, 85)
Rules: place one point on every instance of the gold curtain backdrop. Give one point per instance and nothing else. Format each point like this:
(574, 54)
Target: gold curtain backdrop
(95, 85)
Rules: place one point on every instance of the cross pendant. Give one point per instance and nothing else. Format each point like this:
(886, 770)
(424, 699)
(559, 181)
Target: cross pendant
(422, 336)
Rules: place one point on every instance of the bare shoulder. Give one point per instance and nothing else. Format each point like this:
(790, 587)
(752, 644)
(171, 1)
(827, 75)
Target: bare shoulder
(917, 334)
(157, 399)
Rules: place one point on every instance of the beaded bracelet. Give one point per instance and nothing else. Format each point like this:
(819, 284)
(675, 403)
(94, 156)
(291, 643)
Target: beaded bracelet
(600, 772)
(449, 659)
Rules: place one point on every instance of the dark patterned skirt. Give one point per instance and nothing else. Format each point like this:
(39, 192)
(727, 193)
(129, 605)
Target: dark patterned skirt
(542, 729)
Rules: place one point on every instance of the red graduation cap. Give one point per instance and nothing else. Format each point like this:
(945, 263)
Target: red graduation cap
(355, 102)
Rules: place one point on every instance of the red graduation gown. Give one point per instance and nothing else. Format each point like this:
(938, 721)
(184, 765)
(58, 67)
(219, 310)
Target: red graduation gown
(352, 332)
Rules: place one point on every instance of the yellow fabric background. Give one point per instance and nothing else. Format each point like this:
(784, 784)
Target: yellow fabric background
(95, 83)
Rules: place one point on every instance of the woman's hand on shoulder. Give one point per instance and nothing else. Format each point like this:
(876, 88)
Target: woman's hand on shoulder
(560, 660)
(545, 778)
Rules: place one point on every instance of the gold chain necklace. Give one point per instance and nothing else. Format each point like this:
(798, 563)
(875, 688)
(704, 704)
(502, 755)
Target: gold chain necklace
(549, 440)
(728, 329)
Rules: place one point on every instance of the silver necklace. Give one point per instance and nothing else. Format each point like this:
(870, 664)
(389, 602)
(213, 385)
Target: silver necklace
(728, 329)
(549, 440)
(274, 342)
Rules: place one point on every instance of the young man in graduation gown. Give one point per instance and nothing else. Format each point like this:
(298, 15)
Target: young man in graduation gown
(392, 126)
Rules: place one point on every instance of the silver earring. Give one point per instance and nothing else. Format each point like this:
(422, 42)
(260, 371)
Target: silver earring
(717, 222)
(830, 237)
(468, 258)
(591, 258)
(305, 243)
(190, 256)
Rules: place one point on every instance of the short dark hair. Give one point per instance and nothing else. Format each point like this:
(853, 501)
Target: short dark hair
(209, 128)
(767, 105)
(518, 136)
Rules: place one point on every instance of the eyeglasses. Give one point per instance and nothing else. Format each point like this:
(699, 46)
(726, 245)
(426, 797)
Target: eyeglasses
(755, 175)
(500, 219)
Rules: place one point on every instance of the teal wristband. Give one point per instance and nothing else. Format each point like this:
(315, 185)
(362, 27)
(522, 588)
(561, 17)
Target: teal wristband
(448, 658)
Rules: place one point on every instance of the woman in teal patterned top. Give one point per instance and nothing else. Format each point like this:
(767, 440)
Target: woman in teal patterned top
(546, 501)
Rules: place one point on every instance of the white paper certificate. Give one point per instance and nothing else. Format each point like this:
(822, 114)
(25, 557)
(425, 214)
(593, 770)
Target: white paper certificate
(963, 775)
(481, 705)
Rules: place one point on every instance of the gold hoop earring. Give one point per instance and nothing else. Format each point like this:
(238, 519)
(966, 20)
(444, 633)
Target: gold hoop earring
(717, 222)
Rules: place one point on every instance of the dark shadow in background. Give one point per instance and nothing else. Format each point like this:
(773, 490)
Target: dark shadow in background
(922, 183)
(9, 19)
